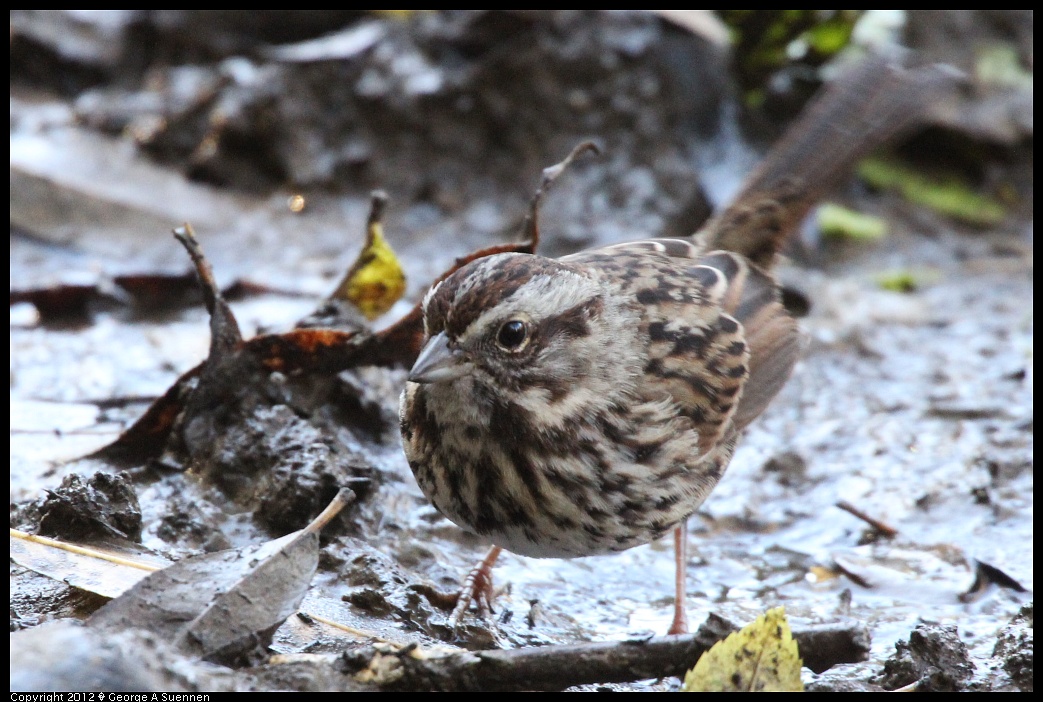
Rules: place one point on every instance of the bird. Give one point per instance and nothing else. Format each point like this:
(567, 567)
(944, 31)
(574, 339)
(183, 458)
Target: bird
(588, 404)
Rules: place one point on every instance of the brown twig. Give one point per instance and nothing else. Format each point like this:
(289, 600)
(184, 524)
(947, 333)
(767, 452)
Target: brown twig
(559, 667)
(884, 529)
(531, 226)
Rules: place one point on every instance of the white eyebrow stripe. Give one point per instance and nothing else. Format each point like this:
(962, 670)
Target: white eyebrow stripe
(542, 296)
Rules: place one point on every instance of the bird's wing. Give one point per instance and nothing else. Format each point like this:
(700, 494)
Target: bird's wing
(720, 344)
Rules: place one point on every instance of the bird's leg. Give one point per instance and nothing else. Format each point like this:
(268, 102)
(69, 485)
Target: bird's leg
(680, 623)
(477, 587)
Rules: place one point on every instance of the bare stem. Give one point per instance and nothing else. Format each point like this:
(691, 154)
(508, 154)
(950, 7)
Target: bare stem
(550, 174)
(344, 497)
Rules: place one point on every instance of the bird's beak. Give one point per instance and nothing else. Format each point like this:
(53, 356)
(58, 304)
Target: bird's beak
(437, 363)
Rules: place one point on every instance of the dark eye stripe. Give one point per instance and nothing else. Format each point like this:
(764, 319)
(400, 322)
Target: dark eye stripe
(573, 322)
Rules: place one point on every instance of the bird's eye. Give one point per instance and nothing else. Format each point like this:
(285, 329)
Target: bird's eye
(512, 334)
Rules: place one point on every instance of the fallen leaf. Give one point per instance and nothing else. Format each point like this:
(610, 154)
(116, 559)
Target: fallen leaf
(761, 657)
(108, 570)
(951, 197)
(986, 575)
(375, 282)
(906, 280)
(843, 223)
(820, 574)
(221, 606)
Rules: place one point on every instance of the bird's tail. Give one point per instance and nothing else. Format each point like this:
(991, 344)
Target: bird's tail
(855, 114)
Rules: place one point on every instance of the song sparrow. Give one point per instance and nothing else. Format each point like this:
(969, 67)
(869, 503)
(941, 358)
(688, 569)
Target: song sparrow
(589, 404)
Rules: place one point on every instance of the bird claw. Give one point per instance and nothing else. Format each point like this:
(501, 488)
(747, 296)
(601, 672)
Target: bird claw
(477, 588)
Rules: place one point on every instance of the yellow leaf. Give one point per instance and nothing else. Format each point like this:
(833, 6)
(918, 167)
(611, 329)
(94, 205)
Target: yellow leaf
(761, 657)
(375, 281)
(906, 280)
(820, 574)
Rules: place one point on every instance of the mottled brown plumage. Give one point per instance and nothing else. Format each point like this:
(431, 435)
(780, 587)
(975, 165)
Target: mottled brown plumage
(589, 404)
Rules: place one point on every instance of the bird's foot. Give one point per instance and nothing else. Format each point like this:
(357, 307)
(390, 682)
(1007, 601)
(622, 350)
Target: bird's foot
(477, 588)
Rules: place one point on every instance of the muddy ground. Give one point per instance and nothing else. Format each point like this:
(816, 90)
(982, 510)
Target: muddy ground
(914, 407)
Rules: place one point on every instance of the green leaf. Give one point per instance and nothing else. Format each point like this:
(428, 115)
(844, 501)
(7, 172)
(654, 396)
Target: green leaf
(906, 280)
(949, 197)
(999, 65)
(842, 223)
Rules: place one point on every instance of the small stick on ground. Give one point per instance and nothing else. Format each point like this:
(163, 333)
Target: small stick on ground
(884, 529)
(559, 667)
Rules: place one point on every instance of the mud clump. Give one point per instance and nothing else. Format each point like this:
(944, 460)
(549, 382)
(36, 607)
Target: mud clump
(282, 467)
(1014, 649)
(934, 658)
(84, 509)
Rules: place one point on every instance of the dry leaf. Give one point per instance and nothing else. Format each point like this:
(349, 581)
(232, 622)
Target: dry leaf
(107, 570)
(761, 657)
(221, 606)
(218, 605)
(375, 281)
